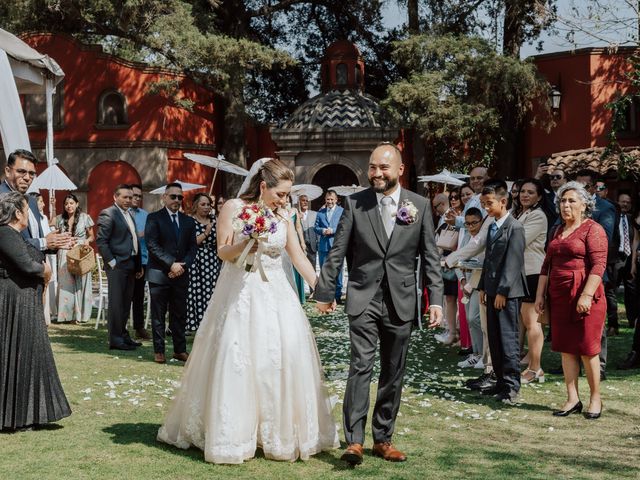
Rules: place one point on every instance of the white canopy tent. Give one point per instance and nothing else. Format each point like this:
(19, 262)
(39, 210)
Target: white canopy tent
(23, 70)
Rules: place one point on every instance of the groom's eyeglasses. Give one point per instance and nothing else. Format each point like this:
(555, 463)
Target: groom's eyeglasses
(173, 196)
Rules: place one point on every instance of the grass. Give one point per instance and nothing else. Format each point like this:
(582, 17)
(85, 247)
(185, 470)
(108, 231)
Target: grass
(118, 402)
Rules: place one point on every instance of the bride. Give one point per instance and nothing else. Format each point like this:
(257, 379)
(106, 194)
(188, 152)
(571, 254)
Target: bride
(254, 379)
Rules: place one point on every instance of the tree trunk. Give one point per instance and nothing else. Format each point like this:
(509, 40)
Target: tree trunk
(414, 17)
(233, 135)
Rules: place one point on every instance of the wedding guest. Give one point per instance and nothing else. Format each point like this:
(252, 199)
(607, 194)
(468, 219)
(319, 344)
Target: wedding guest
(477, 177)
(532, 217)
(50, 291)
(571, 280)
(633, 357)
(118, 245)
(298, 281)
(466, 348)
(440, 204)
(450, 281)
(220, 203)
(171, 240)
(31, 393)
(557, 178)
(206, 267)
(466, 194)
(327, 221)
(502, 285)
(74, 292)
(308, 222)
(515, 195)
(139, 215)
(19, 174)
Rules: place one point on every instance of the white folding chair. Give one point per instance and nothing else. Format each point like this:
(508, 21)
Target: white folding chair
(103, 298)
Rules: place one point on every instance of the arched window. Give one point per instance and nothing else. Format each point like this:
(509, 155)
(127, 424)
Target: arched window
(112, 109)
(341, 74)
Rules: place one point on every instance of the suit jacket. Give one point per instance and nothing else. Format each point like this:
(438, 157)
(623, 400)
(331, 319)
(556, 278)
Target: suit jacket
(114, 238)
(309, 230)
(27, 234)
(361, 235)
(503, 267)
(165, 248)
(322, 221)
(535, 225)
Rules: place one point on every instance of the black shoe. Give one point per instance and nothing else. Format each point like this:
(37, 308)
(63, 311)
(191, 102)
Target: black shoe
(483, 381)
(603, 375)
(339, 301)
(122, 346)
(492, 389)
(131, 342)
(463, 352)
(592, 416)
(632, 361)
(577, 408)
(508, 398)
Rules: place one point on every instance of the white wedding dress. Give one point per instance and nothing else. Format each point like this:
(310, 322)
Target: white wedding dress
(253, 378)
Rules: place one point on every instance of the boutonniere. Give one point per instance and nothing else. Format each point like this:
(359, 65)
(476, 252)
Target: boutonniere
(407, 213)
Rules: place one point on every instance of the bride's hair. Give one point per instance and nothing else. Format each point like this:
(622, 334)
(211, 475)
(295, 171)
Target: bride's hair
(272, 173)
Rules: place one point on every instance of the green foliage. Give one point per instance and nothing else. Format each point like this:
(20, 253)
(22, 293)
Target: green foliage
(620, 110)
(455, 92)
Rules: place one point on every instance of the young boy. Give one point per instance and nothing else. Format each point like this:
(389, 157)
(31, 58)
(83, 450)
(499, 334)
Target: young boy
(502, 285)
(469, 275)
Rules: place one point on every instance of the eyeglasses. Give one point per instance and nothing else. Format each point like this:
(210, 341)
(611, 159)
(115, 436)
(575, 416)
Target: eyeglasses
(601, 188)
(22, 172)
(454, 197)
(135, 195)
(173, 196)
(556, 177)
(476, 178)
(471, 224)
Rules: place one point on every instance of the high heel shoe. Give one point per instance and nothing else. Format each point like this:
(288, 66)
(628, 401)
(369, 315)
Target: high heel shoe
(526, 377)
(577, 408)
(593, 415)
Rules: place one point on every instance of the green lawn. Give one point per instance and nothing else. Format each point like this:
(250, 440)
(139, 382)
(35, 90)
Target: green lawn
(118, 401)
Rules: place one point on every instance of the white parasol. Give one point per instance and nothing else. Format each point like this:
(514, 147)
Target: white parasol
(218, 163)
(346, 190)
(186, 187)
(445, 176)
(52, 179)
(310, 191)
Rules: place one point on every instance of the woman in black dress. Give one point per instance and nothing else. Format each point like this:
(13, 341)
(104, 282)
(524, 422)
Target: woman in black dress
(30, 390)
(204, 272)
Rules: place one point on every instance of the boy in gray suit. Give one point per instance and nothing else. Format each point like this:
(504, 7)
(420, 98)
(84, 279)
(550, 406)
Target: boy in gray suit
(501, 287)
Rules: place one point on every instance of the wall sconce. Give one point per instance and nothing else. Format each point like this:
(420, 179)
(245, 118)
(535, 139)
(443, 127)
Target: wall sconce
(555, 96)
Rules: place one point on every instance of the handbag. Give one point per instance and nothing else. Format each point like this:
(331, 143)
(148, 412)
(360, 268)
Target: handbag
(448, 239)
(81, 259)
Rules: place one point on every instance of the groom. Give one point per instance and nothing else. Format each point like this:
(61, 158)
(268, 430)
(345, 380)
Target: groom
(381, 294)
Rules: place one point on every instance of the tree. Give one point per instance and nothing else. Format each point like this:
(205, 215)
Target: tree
(455, 93)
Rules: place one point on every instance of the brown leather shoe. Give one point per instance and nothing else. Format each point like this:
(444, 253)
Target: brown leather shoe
(387, 451)
(353, 454)
(142, 334)
(159, 358)
(183, 357)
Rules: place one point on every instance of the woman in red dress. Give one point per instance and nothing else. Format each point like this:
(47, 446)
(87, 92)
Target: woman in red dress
(571, 276)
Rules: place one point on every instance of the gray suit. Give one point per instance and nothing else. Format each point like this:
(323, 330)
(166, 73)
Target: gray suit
(310, 235)
(381, 302)
(503, 274)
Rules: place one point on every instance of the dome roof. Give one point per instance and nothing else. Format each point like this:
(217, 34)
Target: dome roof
(342, 48)
(337, 109)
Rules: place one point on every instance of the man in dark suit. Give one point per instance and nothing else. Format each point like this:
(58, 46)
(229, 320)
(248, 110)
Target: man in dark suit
(327, 221)
(604, 214)
(20, 172)
(502, 285)
(118, 245)
(382, 298)
(308, 222)
(171, 243)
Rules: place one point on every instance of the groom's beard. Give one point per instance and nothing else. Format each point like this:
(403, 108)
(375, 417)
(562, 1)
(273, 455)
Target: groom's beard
(386, 185)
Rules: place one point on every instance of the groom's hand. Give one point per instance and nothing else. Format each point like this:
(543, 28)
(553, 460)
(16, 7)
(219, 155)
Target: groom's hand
(435, 317)
(325, 307)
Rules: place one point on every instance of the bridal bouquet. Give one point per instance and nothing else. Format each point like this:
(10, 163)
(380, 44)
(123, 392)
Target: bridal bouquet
(255, 221)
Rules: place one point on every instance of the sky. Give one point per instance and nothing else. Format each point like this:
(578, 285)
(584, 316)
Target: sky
(552, 42)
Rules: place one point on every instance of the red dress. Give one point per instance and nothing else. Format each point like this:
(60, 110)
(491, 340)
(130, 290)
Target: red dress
(569, 262)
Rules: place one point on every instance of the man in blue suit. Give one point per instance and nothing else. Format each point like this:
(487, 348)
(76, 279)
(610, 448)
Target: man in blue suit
(20, 172)
(172, 247)
(327, 222)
